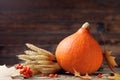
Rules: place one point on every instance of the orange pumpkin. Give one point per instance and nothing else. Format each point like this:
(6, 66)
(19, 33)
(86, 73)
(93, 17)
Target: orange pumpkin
(80, 52)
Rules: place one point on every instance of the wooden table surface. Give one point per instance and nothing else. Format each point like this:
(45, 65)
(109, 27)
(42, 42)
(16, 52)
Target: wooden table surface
(105, 72)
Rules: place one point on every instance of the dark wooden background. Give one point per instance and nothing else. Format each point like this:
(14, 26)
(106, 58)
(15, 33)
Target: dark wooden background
(46, 22)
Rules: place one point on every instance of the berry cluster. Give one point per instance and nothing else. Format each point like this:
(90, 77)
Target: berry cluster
(24, 70)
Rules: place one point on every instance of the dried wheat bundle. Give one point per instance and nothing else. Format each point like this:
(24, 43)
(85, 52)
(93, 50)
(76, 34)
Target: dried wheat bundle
(39, 60)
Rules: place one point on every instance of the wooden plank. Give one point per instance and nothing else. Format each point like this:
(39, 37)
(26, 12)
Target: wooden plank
(52, 15)
(48, 27)
(34, 37)
(9, 60)
(14, 50)
(42, 28)
(45, 38)
(47, 20)
(18, 4)
(114, 48)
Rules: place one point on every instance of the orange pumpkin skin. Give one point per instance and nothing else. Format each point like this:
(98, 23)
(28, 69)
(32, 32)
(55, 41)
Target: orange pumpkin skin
(80, 52)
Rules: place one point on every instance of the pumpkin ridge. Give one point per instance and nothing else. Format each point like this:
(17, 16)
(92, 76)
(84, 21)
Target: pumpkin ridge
(84, 56)
(63, 59)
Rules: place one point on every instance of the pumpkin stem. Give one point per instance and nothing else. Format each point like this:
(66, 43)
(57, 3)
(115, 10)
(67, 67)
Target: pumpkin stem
(86, 25)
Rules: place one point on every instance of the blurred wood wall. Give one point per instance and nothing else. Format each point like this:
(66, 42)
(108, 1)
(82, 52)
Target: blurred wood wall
(46, 22)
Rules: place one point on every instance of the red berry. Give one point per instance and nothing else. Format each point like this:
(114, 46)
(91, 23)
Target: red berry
(99, 75)
(43, 75)
(22, 71)
(25, 68)
(27, 75)
(51, 75)
(16, 67)
(30, 72)
(56, 75)
(19, 66)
